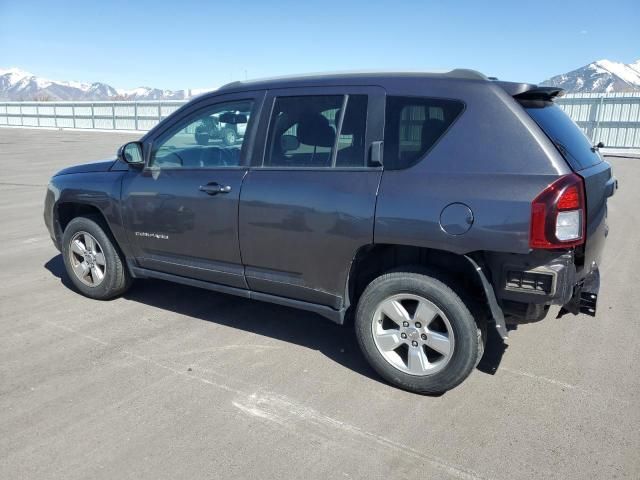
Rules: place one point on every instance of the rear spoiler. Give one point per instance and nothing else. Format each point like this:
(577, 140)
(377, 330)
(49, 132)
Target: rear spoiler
(528, 91)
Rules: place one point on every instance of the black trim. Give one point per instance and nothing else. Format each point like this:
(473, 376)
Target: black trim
(336, 316)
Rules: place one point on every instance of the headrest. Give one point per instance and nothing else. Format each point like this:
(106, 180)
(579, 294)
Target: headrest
(314, 129)
(349, 122)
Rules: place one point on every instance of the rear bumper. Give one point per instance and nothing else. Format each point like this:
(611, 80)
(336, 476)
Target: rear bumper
(526, 285)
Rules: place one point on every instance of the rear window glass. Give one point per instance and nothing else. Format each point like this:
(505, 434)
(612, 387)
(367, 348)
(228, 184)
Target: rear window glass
(413, 125)
(574, 146)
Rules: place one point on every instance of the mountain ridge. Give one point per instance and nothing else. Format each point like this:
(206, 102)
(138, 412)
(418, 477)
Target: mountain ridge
(20, 85)
(600, 76)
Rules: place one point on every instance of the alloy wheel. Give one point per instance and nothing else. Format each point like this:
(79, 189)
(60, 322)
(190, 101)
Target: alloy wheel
(87, 259)
(413, 334)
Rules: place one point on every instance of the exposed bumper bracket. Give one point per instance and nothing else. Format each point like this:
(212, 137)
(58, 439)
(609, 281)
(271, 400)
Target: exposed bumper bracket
(585, 296)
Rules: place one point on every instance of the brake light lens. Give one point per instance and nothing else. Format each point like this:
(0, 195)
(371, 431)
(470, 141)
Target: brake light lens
(558, 214)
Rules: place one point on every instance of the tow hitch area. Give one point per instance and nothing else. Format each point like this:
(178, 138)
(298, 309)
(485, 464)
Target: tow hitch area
(585, 296)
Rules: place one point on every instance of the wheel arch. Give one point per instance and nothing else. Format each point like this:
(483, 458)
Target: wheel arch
(67, 210)
(468, 271)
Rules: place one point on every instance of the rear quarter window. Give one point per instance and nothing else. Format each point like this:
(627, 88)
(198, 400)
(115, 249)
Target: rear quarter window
(574, 145)
(413, 125)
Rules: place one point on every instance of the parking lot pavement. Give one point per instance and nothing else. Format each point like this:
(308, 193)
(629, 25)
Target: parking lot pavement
(176, 382)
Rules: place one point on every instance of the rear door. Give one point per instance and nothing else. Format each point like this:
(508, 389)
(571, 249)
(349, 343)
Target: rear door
(587, 162)
(308, 202)
(181, 209)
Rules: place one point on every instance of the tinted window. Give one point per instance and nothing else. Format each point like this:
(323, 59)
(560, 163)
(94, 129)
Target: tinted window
(413, 125)
(303, 131)
(213, 138)
(569, 139)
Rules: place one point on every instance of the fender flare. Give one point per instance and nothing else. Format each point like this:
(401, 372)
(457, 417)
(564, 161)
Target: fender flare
(492, 302)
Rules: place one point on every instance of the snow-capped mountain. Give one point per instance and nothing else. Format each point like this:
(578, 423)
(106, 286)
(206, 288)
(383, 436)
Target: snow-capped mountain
(602, 76)
(18, 85)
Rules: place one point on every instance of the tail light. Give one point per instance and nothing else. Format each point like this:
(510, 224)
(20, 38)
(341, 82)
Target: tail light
(558, 214)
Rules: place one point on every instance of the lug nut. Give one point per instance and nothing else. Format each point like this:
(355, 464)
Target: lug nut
(418, 325)
(414, 343)
(423, 336)
(405, 324)
(403, 335)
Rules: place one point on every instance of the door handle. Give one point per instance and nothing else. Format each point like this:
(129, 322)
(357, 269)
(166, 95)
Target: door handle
(214, 188)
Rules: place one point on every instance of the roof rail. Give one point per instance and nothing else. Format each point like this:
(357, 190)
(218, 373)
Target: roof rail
(467, 73)
(458, 73)
(235, 83)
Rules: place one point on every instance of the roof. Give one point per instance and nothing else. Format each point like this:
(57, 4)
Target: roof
(322, 79)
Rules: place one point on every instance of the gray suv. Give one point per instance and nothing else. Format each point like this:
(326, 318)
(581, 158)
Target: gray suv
(424, 209)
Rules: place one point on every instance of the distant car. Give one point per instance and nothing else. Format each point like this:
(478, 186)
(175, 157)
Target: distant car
(428, 208)
(228, 129)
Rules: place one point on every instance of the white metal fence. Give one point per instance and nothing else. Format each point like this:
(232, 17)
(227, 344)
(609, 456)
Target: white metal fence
(613, 119)
(140, 116)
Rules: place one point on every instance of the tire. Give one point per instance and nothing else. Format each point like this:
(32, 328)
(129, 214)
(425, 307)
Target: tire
(229, 136)
(103, 257)
(446, 347)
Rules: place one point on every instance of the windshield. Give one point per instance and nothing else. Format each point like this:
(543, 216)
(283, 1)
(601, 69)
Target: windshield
(569, 139)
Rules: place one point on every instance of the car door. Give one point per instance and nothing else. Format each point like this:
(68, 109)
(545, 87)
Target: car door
(181, 209)
(308, 202)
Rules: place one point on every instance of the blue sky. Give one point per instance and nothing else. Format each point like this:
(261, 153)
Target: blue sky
(182, 44)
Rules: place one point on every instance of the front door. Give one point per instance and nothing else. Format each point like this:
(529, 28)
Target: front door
(181, 210)
(308, 202)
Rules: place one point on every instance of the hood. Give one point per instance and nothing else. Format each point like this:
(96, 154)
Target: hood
(102, 166)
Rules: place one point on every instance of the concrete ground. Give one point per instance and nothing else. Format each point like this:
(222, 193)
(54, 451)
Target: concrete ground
(176, 382)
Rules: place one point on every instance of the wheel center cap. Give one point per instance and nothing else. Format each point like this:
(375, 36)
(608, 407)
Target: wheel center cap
(88, 257)
(412, 333)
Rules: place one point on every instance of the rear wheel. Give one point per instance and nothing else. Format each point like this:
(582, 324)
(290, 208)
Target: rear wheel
(416, 332)
(92, 261)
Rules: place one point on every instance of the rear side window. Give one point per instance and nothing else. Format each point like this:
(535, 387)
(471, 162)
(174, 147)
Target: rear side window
(574, 146)
(413, 125)
(317, 131)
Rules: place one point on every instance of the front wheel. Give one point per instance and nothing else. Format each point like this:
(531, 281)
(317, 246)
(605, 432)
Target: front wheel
(416, 332)
(92, 260)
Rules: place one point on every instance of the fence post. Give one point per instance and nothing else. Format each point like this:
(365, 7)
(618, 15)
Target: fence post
(73, 114)
(38, 113)
(93, 116)
(55, 115)
(596, 133)
(135, 115)
(159, 112)
(113, 114)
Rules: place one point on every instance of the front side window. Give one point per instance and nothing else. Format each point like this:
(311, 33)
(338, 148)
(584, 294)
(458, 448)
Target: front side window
(312, 131)
(212, 138)
(413, 125)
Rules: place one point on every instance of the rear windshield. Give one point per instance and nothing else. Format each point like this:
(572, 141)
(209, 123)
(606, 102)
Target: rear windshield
(569, 139)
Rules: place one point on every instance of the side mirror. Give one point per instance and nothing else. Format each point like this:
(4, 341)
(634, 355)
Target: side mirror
(377, 149)
(131, 153)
